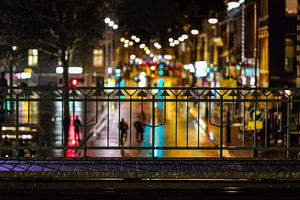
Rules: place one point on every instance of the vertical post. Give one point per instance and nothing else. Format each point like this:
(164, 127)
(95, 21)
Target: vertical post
(267, 132)
(119, 114)
(17, 124)
(195, 38)
(228, 44)
(176, 120)
(288, 133)
(11, 85)
(243, 34)
(228, 127)
(298, 45)
(153, 125)
(255, 42)
(63, 125)
(255, 133)
(106, 48)
(244, 121)
(198, 121)
(111, 40)
(85, 127)
(130, 121)
(187, 121)
(221, 127)
(107, 134)
(73, 106)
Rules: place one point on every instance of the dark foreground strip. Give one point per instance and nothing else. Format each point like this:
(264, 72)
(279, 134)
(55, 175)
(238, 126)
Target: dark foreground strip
(150, 194)
(154, 169)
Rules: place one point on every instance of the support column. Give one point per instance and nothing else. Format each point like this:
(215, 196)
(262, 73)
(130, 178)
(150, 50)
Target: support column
(298, 45)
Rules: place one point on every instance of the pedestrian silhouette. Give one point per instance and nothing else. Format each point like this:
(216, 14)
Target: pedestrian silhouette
(139, 127)
(5, 151)
(78, 127)
(21, 152)
(3, 81)
(123, 126)
(3, 84)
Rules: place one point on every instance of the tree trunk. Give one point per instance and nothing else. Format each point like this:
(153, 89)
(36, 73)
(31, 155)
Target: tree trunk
(66, 108)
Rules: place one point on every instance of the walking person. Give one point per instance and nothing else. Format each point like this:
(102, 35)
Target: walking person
(6, 152)
(123, 126)
(3, 82)
(139, 127)
(78, 127)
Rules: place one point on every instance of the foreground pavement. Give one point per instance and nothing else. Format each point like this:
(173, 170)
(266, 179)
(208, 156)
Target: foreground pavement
(136, 169)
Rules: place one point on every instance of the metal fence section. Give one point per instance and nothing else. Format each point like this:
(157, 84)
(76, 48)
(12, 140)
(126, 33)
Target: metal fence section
(176, 122)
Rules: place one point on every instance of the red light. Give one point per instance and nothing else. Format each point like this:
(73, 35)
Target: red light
(74, 82)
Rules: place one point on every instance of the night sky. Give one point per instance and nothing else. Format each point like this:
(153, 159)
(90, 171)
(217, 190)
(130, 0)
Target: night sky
(150, 18)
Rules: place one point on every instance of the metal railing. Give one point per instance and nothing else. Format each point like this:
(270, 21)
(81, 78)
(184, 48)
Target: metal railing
(176, 122)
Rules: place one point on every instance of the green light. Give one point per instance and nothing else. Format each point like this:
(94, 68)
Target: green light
(161, 72)
(8, 105)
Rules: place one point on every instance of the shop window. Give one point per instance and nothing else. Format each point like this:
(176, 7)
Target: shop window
(290, 55)
(33, 57)
(291, 7)
(98, 57)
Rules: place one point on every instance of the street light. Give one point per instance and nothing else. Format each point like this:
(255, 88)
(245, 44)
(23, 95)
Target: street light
(171, 39)
(176, 42)
(142, 46)
(181, 39)
(157, 45)
(232, 4)
(132, 56)
(195, 32)
(133, 37)
(137, 40)
(148, 52)
(115, 26)
(172, 44)
(185, 36)
(111, 23)
(213, 20)
(122, 39)
(107, 20)
(14, 48)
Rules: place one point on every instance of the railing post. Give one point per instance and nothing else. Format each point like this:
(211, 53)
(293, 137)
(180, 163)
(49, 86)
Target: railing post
(221, 127)
(187, 121)
(85, 127)
(288, 133)
(153, 125)
(254, 132)
(17, 124)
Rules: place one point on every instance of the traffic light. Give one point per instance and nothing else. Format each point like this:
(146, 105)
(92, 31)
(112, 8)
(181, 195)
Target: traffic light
(74, 83)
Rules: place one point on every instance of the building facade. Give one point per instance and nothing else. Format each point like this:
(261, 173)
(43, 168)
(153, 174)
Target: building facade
(276, 42)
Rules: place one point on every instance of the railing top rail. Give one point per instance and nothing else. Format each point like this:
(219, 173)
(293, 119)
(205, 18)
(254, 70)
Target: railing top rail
(145, 88)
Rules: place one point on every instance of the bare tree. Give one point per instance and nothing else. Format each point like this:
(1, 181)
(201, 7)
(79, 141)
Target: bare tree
(59, 28)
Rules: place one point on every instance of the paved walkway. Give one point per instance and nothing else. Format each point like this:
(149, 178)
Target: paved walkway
(144, 168)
